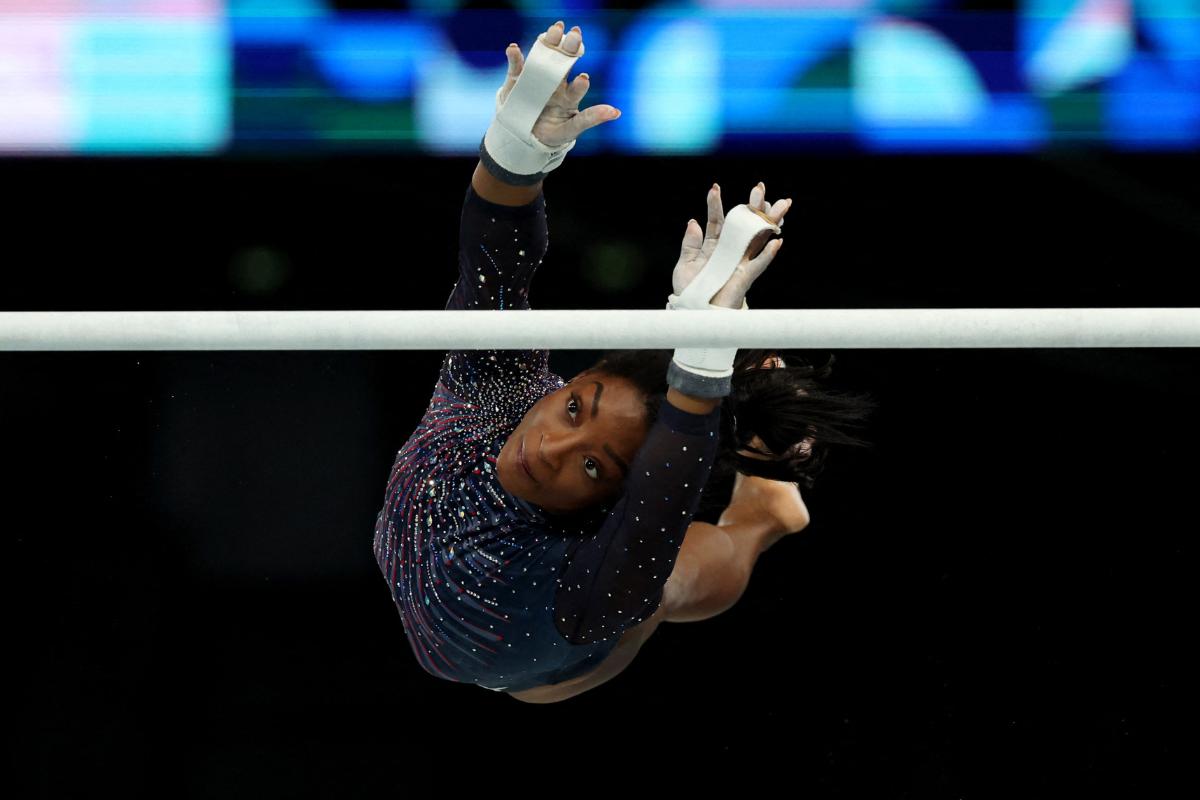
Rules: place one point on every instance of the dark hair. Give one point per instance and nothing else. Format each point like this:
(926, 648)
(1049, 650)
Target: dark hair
(796, 417)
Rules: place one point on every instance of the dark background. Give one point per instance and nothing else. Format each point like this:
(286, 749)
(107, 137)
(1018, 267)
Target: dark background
(988, 603)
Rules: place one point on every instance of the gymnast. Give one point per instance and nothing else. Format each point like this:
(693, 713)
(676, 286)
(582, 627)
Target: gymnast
(536, 532)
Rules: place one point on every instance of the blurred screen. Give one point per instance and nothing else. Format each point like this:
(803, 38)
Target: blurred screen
(114, 76)
(690, 77)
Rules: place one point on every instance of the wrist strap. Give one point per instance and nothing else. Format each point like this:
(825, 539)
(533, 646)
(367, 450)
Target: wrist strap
(500, 173)
(704, 371)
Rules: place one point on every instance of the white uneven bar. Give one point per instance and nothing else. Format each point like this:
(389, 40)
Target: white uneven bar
(599, 329)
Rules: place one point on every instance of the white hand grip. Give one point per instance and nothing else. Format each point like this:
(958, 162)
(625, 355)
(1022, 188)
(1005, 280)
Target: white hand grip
(707, 371)
(509, 141)
(742, 224)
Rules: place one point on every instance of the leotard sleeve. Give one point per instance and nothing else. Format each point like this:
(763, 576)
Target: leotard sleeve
(499, 250)
(614, 579)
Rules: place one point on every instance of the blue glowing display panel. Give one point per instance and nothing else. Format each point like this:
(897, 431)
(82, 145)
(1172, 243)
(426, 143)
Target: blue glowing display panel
(708, 76)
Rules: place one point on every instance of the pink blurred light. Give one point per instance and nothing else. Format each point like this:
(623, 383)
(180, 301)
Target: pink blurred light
(112, 8)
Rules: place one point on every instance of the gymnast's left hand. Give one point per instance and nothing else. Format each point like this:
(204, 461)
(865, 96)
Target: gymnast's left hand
(561, 121)
(698, 246)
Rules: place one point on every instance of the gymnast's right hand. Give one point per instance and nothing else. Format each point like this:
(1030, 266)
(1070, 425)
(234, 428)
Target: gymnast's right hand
(561, 121)
(699, 245)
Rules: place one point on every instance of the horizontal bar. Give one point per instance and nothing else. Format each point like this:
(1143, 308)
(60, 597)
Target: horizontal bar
(599, 329)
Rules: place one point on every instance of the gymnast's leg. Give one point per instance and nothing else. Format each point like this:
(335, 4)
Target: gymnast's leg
(715, 563)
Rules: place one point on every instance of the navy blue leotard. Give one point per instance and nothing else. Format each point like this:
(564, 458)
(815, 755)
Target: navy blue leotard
(492, 589)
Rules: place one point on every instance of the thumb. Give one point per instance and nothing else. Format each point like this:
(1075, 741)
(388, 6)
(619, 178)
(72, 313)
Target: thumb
(590, 118)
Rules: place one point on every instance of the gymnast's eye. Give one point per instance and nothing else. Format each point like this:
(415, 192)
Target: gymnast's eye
(592, 460)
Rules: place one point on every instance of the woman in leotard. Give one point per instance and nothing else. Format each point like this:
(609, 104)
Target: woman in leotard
(535, 531)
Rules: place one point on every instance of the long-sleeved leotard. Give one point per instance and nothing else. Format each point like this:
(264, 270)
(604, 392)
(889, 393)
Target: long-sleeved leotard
(493, 589)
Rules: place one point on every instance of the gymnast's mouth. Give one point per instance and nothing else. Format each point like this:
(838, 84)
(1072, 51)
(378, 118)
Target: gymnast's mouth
(525, 464)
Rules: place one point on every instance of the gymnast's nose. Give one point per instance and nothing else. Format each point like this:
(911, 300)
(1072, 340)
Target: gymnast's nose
(553, 449)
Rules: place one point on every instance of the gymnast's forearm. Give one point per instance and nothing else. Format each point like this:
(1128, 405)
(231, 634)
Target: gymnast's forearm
(494, 190)
(690, 404)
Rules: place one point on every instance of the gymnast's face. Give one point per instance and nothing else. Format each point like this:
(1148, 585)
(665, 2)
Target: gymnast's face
(578, 443)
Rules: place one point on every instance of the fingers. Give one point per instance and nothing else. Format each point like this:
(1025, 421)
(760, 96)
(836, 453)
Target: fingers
(577, 88)
(569, 42)
(716, 214)
(554, 35)
(516, 61)
(780, 208)
(693, 239)
(758, 198)
(775, 211)
(760, 262)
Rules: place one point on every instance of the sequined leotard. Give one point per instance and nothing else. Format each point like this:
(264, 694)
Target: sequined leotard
(493, 589)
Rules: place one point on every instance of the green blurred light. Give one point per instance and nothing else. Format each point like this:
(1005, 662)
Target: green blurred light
(615, 267)
(259, 270)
